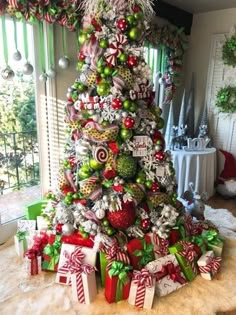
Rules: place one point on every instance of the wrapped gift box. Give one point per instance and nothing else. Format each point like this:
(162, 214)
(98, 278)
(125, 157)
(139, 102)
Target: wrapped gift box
(107, 256)
(51, 253)
(186, 256)
(140, 252)
(42, 223)
(84, 287)
(117, 283)
(160, 245)
(214, 242)
(77, 239)
(142, 289)
(208, 265)
(87, 256)
(22, 238)
(35, 209)
(32, 263)
(168, 274)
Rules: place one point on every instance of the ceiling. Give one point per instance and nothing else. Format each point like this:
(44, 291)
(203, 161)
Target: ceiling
(197, 6)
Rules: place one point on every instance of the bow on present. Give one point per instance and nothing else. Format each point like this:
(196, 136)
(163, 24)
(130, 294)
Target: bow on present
(174, 272)
(189, 254)
(54, 252)
(21, 235)
(212, 237)
(162, 245)
(116, 48)
(114, 253)
(120, 270)
(191, 227)
(74, 259)
(40, 241)
(200, 241)
(213, 265)
(143, 280)
(32, 255)
(146, 254)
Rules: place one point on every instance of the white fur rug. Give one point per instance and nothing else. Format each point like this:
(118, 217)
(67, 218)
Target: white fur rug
(39, 295)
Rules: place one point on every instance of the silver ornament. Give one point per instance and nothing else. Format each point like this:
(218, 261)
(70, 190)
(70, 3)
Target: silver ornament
(43, 77)
(17, 55)
(7, 73)
(162, 81)
(51, 73)
(27, 69)
(67, 229)
(64, 62)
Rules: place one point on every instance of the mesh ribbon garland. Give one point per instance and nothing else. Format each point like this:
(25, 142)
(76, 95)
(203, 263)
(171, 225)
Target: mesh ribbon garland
(143, 280)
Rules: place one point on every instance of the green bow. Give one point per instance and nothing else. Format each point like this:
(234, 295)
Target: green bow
(200, 241)
(146, 254)
(54, 252)
(119, 269)
(212, 237)
(21, 235)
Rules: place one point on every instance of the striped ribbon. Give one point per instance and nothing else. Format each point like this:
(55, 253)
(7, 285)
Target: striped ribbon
(114, 253)
(73, 260)
(162, 244)
(213, 265)
(191, 227)
(189, 254)
(143, 280)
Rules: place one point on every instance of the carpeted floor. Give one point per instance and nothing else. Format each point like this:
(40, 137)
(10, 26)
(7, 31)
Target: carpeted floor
(39, 295)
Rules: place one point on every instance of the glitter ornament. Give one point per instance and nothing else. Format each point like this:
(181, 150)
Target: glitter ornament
(7, 73)
(122, 219)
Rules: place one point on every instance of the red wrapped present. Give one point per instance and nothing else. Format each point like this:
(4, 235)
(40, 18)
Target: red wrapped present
(51, 253)
(32, 262)
(117, 283)
(140, 252)
(174, 236)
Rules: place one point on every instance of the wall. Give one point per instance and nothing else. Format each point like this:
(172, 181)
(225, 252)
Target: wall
(204, 25)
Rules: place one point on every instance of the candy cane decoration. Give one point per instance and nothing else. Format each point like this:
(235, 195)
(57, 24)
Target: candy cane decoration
(100, 154)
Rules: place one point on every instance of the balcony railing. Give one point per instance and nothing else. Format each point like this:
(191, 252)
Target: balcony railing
(19, 160)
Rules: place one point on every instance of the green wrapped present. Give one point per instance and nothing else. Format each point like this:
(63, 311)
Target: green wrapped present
(214, 242)
(35, 209)
(186, 256)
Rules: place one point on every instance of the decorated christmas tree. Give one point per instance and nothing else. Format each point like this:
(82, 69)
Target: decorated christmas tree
(116, 175)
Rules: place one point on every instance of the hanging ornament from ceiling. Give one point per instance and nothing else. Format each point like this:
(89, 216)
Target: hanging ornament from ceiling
(7, 73)
(51, 73)
(16, 55)
(43, 76)
(64, 61)
(27, 68)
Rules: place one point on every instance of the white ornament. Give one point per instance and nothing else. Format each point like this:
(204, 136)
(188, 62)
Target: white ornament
(17, 55)
(67, 229)
(64, 62)
(27, 69)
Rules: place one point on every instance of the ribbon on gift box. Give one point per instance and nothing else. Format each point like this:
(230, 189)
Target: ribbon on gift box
(174, 272)
(114, 253)
(21, 235)
(76, 257)
(53, 251)
(40, 241)
(121, 271)
(32, 255)
(212, 237)
(213, 265)
(189, 254)
(200, 241)
(191, 227)
(162, 244)
(146, 253)
(116, 48)
(143, 280)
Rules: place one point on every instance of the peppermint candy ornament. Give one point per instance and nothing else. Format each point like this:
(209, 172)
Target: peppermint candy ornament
(100, 154)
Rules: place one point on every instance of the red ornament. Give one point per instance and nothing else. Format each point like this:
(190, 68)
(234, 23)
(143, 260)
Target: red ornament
(132, 61)
(155, 187)
(159, 156)
(81, 56)
(145, 224)
(59, 228)
(116, 103)
(66, 188)
(72, 161)
(129, 122)
(136, 8)
(122, 24)
(122, 219)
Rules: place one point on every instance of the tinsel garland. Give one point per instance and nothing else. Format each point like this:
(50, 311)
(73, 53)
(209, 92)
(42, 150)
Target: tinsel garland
(226, 99)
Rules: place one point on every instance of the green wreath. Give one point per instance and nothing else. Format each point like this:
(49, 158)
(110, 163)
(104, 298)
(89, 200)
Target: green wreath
(226, 99)
(229, 51)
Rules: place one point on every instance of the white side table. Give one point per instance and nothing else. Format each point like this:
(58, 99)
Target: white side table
(198, 167)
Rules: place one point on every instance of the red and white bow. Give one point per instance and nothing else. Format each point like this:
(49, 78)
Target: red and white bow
(142, 277)
(213, 265)
(116, 48)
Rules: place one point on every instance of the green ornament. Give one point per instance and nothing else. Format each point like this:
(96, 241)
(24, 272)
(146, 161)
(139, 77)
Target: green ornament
(138, 16)
(110, 231)
(84, 172)
(149, 183)
(103, 43)
(160, 123)
(126, 166)
(81, 87)
(108, 71)
(133, 33)
(127, 104)
(83, 37)
(100, 69)
(105, 222)
(126, 134)
(133, 107)
(80, 65)
(103, 89)
(95, 165)
(131, 19)
(123, 57)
